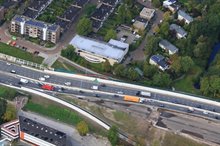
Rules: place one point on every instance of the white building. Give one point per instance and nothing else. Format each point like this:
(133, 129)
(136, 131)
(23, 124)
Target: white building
(184, 16)
(147, 13)
(96, 51)
(167, 46)
(180, 32)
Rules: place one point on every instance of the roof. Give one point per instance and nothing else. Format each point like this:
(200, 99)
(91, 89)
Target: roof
(96, 24)
(70, 13)
(41, 131)
(147, 12)
(160, 60)
(185, 15)
(110, 2)
(80, 3)
(141, 20)
(168, 2)
(168, 45)
(119, 44)
(35, 23)
(178, 29)
(99, 48)
(101, 12)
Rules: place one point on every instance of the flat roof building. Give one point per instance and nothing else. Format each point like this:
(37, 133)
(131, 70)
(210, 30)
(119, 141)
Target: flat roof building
(39, 134)
(147, 13)
(96, 51)
(11, 130)
(140, 24)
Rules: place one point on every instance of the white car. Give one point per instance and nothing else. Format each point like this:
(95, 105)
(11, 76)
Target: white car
(8, 63)
(95, 87)
(46, 76)
(68, 83)
(42, 79)
(13, 71)
(120, 92)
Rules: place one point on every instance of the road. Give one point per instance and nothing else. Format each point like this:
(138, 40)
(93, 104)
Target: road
(196, 127)
(83, 88)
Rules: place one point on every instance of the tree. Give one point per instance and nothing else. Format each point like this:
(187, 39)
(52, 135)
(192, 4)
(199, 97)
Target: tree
(149, 70)
(120, 70)
(82, 128)
(10, 113)
(156, 3)
(152, 44)
(106, 66)
(166, 16)
(128, 2)
(3, 105)
(162, 79)
(164, 29)
(111, 34)
(113, 135)
(84, 26)
(124, 14)
(69, 52)
(186, 63)
(132, 74)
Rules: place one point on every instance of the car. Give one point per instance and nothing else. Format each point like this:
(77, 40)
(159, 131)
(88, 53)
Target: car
(161, 105)
(97, 95)
(94, 87)
(68, 83)
(13, 71)
(46, 76)
(80, 91)
(205, 113)
(120, 92)
(8, 63)
(116, 95)
(42, 79)
(60, 90)
(103, 85)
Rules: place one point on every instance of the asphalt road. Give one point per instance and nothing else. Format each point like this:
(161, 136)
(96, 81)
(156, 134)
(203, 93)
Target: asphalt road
(155, 100)
(201, 128)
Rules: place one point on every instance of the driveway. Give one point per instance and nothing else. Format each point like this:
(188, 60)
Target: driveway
(138, 54)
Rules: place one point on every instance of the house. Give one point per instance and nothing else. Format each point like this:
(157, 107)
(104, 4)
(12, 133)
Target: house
(184, 16)
(159, 61)
(35, 29)
(140, 24)
(96, 51)
(167, 3)
(147, 13)
(173, 7)
(164, 44)
(180, 32)
(111, 3)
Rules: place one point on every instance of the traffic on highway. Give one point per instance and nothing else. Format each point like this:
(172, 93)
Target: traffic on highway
(18, 76)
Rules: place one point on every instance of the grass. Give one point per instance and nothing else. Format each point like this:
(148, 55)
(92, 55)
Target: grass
(15, 52)
(55, 112)
(65, 66)
(186, 84)
(176, 140)
(7, 93)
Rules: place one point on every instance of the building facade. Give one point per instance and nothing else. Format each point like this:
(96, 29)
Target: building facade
(35, 29)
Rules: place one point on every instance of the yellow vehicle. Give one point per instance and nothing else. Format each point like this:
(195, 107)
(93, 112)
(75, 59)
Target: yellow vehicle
(131, 98)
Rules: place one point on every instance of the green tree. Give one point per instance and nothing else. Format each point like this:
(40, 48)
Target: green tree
(111, 34)
(106, 66)
(69, 52)
(113, 135)
(3, 105)
(120, 70)
(124, 14)
(82, 128)
(186, 63)
(84, 26)
(166, 16)
(10, 113)
(164, 29)
(149, 70)
(156, 3)
(132, 74)
(89, 9)
(162, 79)
(152, 44)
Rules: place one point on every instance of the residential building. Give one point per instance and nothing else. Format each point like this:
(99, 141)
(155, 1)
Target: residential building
(159, 61)
(167, 46)
(97, 51)
(140, 24)
(79, 3)
(180, 32)
(10, 130)
(36, 7)
(173, 7)
(35, 29)
(167, 3)
(111, 3)
(184, 16)
(147, 13)
(39, 134)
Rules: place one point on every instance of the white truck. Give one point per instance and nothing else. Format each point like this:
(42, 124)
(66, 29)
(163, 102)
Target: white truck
(25, 81)
(94, 87)
(143, 94)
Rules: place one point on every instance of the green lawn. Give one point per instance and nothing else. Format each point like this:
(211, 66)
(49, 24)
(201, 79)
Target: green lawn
(186, 84)
(13, 51)
(55, 112)
(64, 66)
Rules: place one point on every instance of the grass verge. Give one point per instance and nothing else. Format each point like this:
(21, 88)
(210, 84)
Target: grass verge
(15, 52)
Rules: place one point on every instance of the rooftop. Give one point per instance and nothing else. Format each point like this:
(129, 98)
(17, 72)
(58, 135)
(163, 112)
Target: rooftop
(41, 131)
(80, 3)
(110, 2)
(114, 49)
(70, 13)
(168, 45)
(147, 12)
(178, 29)
(185, 15)
(160, 60)
(101, 12)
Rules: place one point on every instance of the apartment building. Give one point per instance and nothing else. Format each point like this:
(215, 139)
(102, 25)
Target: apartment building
(35, 29)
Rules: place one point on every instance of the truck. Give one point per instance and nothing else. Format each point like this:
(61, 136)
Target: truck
(47, 87)
(94, 87)
(131, 98)
(190, 109)
(25, 81)
(143, 94)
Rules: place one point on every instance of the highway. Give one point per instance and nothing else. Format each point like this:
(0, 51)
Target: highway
(83, 88)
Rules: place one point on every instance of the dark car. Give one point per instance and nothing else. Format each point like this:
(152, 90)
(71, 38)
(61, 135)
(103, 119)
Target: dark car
(13, 71)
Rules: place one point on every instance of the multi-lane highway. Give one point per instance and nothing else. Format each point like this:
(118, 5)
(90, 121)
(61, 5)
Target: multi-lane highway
(82, 87)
